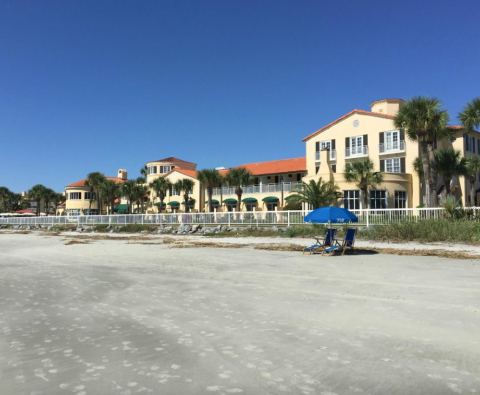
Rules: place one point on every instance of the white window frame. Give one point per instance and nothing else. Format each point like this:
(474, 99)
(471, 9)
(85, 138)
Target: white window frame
(403, 199)
(152, 170)
(384, 198)
(75, 195)
(358, 148)
(326, 144)
(392, 146)
(352, 199)
(74, 212)
(391, 163)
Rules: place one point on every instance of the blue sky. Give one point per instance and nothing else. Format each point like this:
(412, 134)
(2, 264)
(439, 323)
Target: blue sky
(99, 85)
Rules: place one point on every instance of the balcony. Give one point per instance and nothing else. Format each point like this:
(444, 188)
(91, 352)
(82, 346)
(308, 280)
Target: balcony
(356, 152)
(332, 155)
(251, 189)
(390, 148)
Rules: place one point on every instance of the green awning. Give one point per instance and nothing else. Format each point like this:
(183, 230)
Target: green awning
(249, 200)
(270, 199)
(191, 202)
(230, 201)
(122, 208)
(158, 204)
(174, 203)
(214, 201)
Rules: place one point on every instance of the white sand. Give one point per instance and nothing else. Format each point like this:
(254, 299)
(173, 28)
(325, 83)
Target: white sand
(118, 318)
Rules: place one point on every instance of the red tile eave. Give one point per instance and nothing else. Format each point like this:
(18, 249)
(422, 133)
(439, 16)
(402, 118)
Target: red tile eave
(277, 166)
(190, 173)
(375, 114)
(82, 182)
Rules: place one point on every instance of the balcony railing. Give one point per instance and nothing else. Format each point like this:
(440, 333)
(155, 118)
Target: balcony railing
(332, 155)
(394, 146)
(250, 189)
(356, 152)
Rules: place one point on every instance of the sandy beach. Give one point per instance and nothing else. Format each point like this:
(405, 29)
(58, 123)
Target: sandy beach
(135, 316)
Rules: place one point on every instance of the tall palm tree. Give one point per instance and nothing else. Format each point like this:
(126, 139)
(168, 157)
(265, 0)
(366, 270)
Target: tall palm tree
(140, 192)
(470, 116)
(93, 181)
(361, 172)
(5, 194)
(129, 190)
(185, 185)
(473, 167)
(209, 178)
(143, 189)
(48, 196)
(316, 193)
(144, 172)
(160, 185)
(238, 177)
(424, 121)
(36, 193)
(110, 190)
(449, 164)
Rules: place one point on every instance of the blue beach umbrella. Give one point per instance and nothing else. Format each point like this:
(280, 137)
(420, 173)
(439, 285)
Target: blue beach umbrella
(332, 215)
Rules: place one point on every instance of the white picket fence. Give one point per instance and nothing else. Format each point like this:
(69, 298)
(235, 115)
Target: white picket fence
(256, 218)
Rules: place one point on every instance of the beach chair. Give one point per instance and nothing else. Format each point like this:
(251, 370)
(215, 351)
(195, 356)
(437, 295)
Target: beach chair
(347, 243)
(328, 241)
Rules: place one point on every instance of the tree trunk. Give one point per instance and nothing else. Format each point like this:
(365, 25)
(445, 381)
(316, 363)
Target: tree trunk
(185, 198)
(90, 200)
(447, 182)
(472, 192)
(365, 198)
(239, 192)
(426, 170)
(432, 176)
(210, 194)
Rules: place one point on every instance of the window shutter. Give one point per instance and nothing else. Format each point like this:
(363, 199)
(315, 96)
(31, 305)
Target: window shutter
(317, 146)
(365, 139)
(478, 146)
(402, 134)
(347, 142)
(473, 144)
(402, 165)
(381, 136)
(317, 168)
(382, 165)
(333, 144)
(334, 168)
(277, 179)
(465, 146)
(155, 169)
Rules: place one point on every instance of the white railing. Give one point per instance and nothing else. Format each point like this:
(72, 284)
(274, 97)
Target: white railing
(394, 146)
(332, 155)
(356, 152)
(287, 218)
(264, 188)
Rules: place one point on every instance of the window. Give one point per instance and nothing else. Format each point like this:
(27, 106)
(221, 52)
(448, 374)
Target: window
(75, 195)
(74, 211)
(152, 170)
(378, 199)
(90, 212)
(351, 200)
(166, 169)
(88, 194)
(392, 165)
(230, 207)
(325, 144)
(250, 206)
(392, 141)
(356, 145)
(400, 199)
(175, 192)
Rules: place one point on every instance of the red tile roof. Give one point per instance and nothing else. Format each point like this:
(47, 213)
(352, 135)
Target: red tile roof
(62, 204)
(81, 183)
(363, 112)
(190, 173)
(276, 166)
(172, 159)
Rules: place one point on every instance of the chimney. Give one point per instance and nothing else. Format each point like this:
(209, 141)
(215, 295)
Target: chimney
(386, 106)
(122, 173)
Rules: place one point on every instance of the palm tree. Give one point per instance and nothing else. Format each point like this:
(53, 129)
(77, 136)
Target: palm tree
(144, 172)
(424, 121)
(58, 198)
(5, 194)
(184, 185)
(48, 196)
(361, 172)
(470, 116)
(93, 181)
(110, 190)
(129, 190)
(449, 164)
(473, 167)
(161, 185)
(36, 193)
(318, 194)
(140, 192)
(209, 178)
(238, 177)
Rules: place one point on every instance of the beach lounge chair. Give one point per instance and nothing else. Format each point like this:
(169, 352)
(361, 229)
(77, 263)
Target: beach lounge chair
(347, 243)
(328, 241)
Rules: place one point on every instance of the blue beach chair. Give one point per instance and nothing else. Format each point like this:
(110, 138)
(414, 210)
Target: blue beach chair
(347, 243)
(328, 241)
